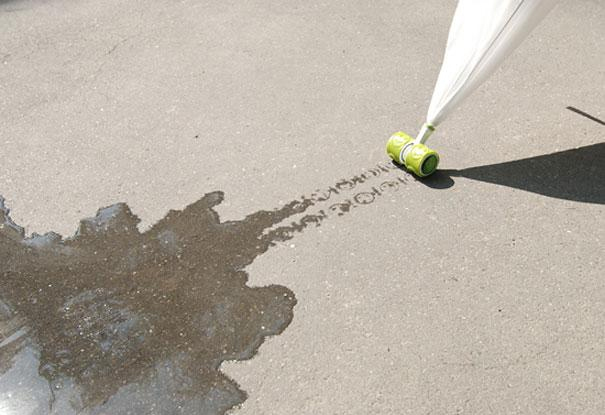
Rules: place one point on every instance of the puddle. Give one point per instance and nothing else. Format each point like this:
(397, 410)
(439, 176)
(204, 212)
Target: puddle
(114, 320)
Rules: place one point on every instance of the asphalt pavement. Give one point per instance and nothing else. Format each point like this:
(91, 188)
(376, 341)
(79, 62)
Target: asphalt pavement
(256, 250)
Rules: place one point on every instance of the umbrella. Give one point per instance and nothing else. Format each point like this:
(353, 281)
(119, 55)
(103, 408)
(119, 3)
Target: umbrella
(483, 33)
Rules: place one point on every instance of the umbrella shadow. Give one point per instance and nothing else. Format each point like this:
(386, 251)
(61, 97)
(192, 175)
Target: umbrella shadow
(577, 174)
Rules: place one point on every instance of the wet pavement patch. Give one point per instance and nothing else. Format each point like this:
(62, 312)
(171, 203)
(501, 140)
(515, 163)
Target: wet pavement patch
(114, 320)
(112, 306)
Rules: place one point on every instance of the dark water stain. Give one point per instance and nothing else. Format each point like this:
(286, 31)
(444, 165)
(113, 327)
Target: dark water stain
(109, 304)
(114, 320)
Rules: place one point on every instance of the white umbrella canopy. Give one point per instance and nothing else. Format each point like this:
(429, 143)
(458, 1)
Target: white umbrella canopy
(482, 34)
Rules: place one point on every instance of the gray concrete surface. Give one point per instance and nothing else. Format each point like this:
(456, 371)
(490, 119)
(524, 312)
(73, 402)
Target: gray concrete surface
(478, 292)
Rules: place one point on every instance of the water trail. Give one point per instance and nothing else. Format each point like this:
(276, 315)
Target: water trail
(114, 320)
